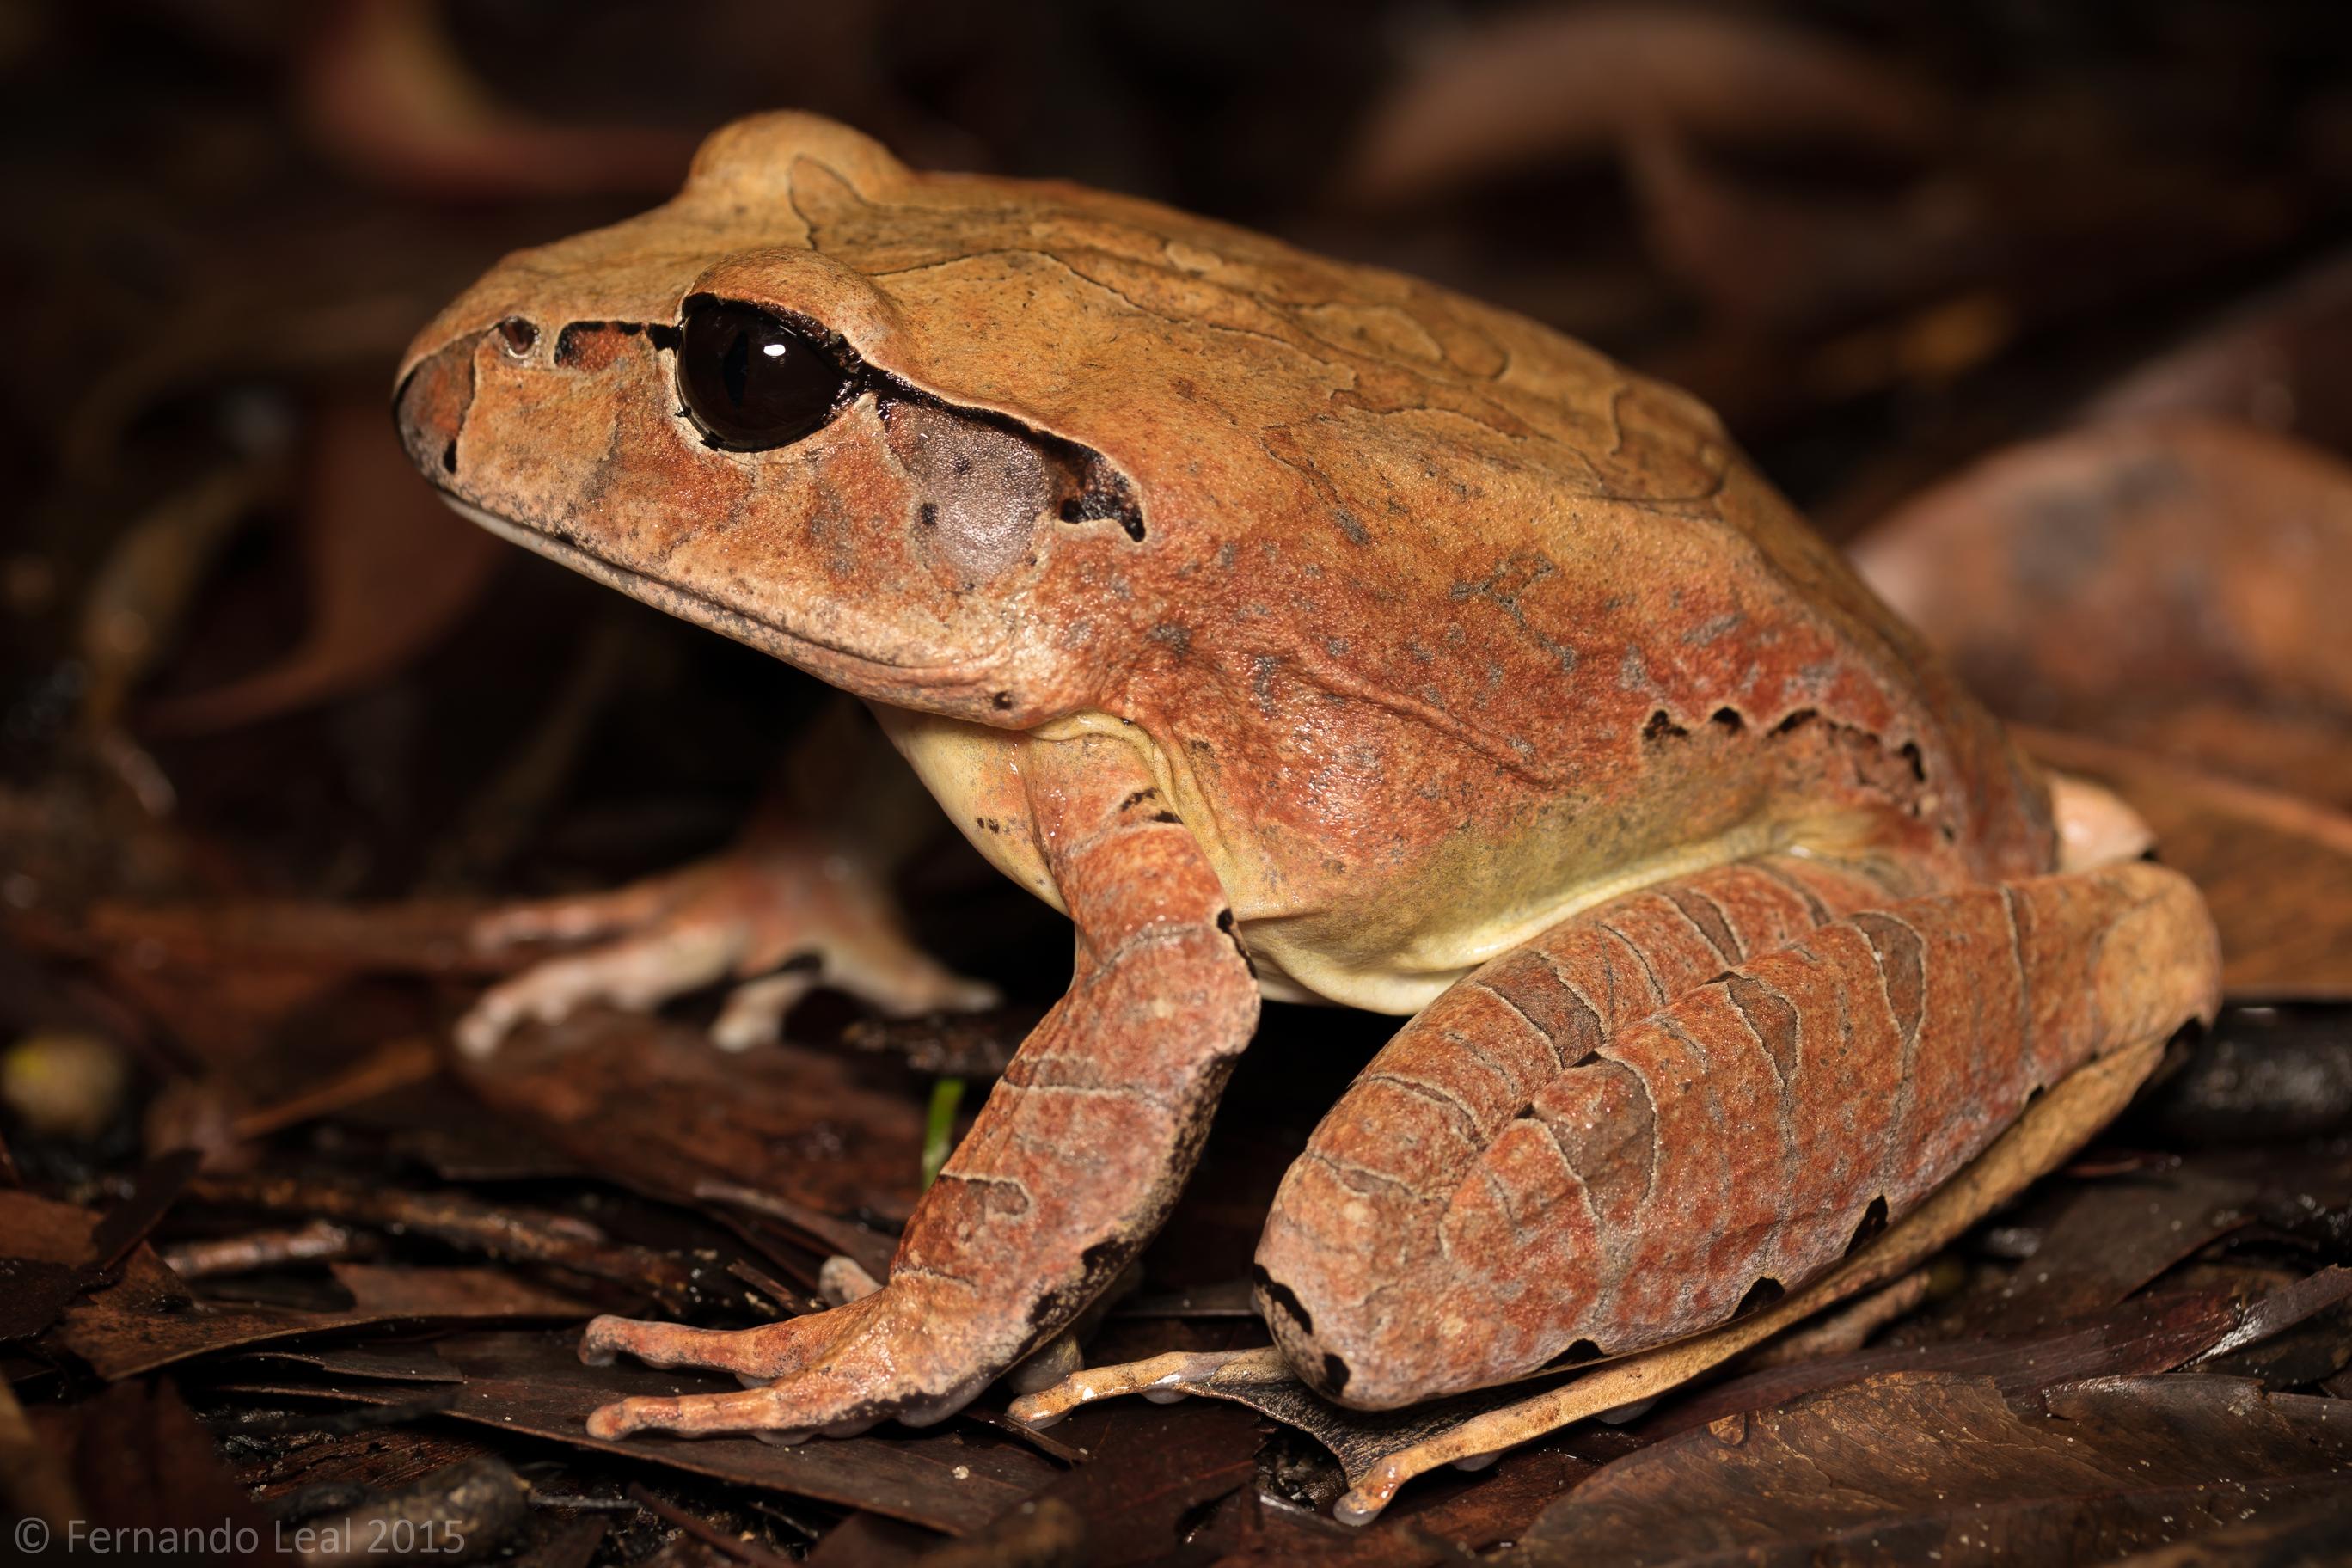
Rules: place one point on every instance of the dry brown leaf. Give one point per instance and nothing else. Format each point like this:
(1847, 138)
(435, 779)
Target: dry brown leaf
(2282, 361)
(1539, 86)
(2275, 869)
(1771, 264)
(2116, 575)
(390, 570)
(142, 591)
(382, 88)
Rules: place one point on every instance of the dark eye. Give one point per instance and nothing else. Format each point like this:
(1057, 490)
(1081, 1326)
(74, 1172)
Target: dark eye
(752, 380)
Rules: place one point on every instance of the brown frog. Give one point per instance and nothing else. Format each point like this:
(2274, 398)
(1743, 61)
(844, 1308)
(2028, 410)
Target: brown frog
(1307, 631)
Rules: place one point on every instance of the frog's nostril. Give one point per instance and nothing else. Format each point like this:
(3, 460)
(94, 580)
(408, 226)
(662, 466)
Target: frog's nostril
(518, 336)
(430, 409)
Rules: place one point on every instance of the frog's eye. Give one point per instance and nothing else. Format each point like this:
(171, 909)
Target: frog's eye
(752, 380)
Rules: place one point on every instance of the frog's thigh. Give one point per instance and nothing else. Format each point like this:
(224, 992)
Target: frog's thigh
(1619, 1133)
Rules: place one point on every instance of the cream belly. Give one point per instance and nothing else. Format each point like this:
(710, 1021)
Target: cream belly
(975, 772)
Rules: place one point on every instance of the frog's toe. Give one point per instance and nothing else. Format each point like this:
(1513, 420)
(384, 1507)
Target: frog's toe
(754, 1013)
(764, 1353)
(759, 1411)
(636, 973)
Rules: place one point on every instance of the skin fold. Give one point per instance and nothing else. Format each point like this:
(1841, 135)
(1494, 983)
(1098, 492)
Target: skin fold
(1306, 630)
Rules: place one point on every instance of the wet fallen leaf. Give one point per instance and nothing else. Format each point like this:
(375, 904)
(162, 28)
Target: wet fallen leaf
(949, 1044)
(2109, 1240)
(2293, 1536)
(141, 1461)
(228, 973)
(269, 1471)
(1910, 1465)
(535, 1384)
(467, 1510)
(654, 1105)
(2295, 1337)
(1146, 1473)
(147, 1319)
(2143, 1337)
(536, 1237)
(56, 1252)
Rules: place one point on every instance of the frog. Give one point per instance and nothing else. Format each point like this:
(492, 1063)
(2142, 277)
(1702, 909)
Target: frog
(1308, 632)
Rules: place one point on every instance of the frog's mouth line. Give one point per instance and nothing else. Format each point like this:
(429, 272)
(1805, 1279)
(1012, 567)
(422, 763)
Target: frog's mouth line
(794, 648)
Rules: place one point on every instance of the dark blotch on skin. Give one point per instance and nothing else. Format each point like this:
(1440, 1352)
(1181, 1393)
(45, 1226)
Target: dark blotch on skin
(1874, 1220)
(1902, 961)
(1577, 1355)
(1283, 1299)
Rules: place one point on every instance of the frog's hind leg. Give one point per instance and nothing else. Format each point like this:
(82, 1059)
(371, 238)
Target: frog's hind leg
(1693, 1099)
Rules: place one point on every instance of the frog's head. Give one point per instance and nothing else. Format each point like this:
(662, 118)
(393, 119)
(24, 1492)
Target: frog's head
(703, 407)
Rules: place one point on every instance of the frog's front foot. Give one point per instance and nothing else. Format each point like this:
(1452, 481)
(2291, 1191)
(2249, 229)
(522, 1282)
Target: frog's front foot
(779, 898)
(833, 1373)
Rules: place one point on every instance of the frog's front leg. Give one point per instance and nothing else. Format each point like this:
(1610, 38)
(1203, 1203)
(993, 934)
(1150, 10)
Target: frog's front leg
(1692, 1099)
(1069, 1169)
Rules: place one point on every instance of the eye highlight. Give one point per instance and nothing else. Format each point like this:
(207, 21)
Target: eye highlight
(750, 379)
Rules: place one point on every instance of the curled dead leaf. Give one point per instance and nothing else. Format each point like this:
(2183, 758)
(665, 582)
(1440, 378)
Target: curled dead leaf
(1536, 86)
(2107, 579)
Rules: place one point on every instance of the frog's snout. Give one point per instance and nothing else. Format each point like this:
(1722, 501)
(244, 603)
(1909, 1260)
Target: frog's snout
(430, 408)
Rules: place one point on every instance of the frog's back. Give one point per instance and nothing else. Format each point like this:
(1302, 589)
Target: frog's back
(1438, 622)
(1442, 621)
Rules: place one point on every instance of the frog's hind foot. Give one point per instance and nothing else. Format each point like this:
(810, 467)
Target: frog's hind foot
(1161, 1379)
(1679, 1106)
